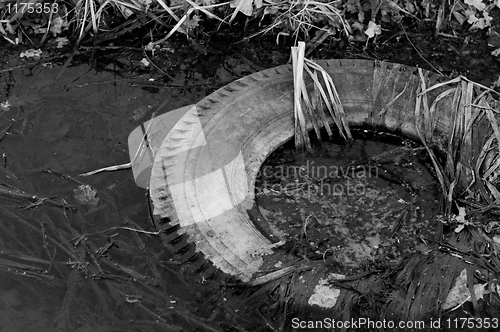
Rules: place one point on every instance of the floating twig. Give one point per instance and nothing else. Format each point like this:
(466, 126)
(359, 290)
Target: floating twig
(108, 169)
(62, 176)
(34, 199)
(4, 132)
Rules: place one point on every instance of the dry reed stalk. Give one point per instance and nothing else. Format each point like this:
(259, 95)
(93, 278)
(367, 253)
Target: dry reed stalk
(309, 111)
(472, 165)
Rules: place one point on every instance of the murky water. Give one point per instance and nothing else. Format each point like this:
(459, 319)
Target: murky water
(62, 270)
(366, 204)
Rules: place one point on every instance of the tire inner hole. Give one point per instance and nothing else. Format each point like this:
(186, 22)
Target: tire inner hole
(368, 204)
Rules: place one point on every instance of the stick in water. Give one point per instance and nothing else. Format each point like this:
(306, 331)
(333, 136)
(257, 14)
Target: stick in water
(108, 169)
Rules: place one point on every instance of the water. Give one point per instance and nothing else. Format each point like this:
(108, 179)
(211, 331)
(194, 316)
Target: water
(66, 271)
(367, 204)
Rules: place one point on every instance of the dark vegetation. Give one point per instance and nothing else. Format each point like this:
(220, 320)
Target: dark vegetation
(451, 37)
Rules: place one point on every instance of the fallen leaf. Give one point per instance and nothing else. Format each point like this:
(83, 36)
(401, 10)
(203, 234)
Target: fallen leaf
(244, 6)
(58, 25)
(31, 53)
(478, 23)
(459, 293)
(193, 22)
(459, 228)
(325, 296)
(461, 215)
(410, 7)
(86, 195)
(494, 191)
(5, 106)
(358, 26)
(476, 3)
(373, 29)
(459, 17)
(482, 23)
(61, 41)
(480, 290)
(471, 17)
(145, 3)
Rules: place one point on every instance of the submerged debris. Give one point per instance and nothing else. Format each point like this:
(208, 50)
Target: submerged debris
(86, 195)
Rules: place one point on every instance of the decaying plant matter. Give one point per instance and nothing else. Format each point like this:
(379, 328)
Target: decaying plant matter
(467, 165)
(105, 263)
(308, 109)
(348, 20)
